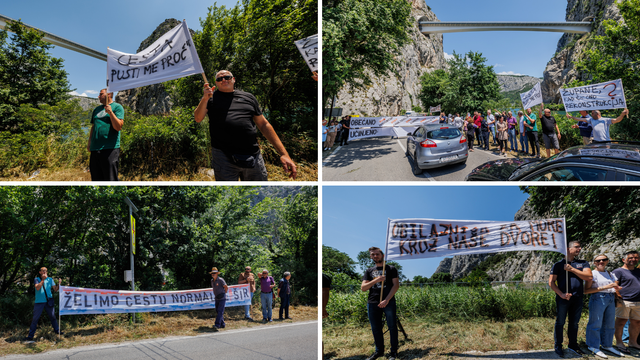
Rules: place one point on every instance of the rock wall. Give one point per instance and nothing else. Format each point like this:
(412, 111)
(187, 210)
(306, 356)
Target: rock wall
(516, 82)
(87, 103)
(151, 99)
(561, 68)
(399, 90)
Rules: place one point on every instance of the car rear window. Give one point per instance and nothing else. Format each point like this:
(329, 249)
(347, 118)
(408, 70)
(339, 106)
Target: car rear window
(443, 134)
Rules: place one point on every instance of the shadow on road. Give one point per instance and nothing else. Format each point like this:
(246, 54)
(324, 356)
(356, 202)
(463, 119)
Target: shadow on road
(361, 150)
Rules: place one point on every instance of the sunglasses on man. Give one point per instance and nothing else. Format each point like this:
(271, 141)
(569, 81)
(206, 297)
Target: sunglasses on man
(226, 77)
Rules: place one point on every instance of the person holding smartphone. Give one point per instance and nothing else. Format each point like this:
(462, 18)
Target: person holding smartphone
(44, 286)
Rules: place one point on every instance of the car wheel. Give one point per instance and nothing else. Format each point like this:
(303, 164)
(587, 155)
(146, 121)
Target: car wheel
(415, 168)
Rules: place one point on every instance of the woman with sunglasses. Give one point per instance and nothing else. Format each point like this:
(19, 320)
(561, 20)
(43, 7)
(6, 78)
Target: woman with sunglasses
(602, 308)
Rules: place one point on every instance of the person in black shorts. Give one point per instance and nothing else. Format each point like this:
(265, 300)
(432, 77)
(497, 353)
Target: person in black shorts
(233, 117)
(373, 281)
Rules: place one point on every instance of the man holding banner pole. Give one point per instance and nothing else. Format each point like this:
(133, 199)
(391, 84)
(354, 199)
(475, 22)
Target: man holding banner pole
(381, 286)
(233, 118)
(567, 281)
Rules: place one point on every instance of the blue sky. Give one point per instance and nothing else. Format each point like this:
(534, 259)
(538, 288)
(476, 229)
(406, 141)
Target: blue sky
(510, 52)
(354, 218)
(118, 24)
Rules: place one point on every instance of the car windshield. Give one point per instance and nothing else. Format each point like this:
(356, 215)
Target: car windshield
(443, 134)
(524, 168)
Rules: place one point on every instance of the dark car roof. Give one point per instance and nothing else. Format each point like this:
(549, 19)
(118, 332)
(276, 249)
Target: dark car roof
(609, 153)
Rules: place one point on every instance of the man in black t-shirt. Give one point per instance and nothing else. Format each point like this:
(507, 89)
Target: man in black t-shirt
(628, 276)
(373, 281)
(549, 129)
(233, 117)
(346, 126)
(569, 302)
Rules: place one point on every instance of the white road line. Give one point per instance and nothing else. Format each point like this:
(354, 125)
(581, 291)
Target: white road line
(425, 174)
(330, 156)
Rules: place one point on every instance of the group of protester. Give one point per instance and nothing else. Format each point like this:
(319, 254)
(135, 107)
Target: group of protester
(234, 118)
(45, 286)
(614, 304)
(523, 129)
(335, 132)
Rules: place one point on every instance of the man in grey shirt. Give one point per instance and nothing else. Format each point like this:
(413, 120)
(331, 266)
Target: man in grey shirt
(220, 289)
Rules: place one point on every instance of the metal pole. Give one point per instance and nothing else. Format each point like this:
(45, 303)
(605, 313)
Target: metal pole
(132, 209)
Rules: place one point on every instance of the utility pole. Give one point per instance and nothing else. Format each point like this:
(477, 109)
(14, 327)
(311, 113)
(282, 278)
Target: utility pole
(132, 238)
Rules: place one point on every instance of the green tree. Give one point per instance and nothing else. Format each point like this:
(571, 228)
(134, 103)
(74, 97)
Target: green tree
(463, 87)
(336, 261)
(616, 55)
(441, 277)
(360, 39)
(419, 279)
(28, 74)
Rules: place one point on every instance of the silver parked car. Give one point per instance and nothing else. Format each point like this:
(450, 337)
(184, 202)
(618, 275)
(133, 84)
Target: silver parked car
(435, 145)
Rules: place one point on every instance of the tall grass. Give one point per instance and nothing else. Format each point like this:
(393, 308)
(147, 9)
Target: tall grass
(450, 302)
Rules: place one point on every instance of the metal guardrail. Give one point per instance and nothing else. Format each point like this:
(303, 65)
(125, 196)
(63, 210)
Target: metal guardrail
(437, 27)
(59, 41)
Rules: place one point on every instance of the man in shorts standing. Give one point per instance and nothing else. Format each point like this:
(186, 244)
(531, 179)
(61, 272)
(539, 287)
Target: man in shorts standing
(549, 129)
(629, 278)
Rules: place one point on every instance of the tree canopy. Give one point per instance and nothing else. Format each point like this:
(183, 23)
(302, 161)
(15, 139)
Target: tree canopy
(464, 87)
(82, 235)
(616, 55)
(29, 75)
(336, 261)
(360, 38)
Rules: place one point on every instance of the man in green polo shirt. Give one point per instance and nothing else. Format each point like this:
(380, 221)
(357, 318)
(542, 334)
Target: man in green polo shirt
(104, 138)
(44, 301)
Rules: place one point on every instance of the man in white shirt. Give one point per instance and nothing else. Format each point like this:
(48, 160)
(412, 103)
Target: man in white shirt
(601, 125)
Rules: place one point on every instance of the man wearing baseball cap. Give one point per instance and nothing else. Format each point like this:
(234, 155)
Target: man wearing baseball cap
(220, 289)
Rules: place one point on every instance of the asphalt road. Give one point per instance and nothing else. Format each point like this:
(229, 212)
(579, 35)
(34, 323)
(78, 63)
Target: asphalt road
(288, 341)
(384, 159)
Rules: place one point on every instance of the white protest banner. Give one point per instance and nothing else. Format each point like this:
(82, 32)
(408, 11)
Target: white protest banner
(434, 108)
(616, 153)
(360, 122)
(532, 97)
(425, 238)
(308, 47)
(607, 95)
(170, 57)
(74, 301)
(404, 130)
(355, 134)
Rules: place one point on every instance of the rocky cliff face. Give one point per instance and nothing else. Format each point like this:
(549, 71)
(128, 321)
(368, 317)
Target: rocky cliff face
(87, 103)
(516, 82)
(399, 90)
(561, 68)
(151, 99)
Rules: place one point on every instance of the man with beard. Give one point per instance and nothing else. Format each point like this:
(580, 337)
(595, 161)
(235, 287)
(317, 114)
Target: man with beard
(375, 282)
(629, 278)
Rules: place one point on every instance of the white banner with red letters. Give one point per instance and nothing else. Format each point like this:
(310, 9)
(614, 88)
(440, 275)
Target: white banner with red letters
(424, 238)
(75, 301)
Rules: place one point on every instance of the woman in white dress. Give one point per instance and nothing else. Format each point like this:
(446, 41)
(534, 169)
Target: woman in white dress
(602, 308)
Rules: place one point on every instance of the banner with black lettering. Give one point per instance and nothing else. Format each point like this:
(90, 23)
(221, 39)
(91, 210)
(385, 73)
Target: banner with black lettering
(308, 47)
(75, 301)
(424, 238)
(531, 97)
(170, 57)
(390, 121)
(355, 134)
(606, 95)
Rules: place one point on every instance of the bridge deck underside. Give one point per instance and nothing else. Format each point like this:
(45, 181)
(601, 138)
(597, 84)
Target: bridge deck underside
(427, 27)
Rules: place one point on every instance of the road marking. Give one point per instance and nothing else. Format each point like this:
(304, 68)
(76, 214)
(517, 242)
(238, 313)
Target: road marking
(330, 156)
(425, 174)
(165, 339)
